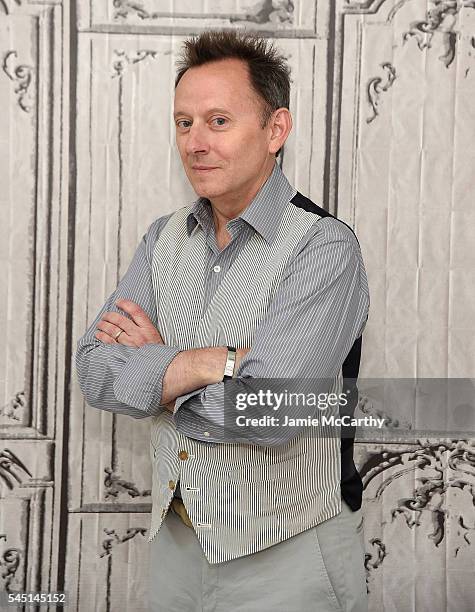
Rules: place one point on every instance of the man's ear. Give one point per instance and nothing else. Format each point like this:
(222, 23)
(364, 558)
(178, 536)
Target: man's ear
(280, 124)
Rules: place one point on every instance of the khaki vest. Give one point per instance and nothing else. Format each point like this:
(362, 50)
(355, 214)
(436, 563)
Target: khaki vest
(240, 498)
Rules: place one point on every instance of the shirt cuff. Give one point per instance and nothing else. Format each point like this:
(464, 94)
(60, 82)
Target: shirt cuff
(141, 379)
(180, 400)
(202, 413)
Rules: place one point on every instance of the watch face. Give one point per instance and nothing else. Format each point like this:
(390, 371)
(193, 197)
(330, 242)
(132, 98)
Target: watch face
(230, 363)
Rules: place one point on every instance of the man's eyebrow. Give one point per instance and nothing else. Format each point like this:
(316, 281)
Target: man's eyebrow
(211, 110)
(225, 111)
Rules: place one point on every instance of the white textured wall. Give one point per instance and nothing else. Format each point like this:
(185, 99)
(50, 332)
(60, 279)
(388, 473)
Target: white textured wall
(384, 126)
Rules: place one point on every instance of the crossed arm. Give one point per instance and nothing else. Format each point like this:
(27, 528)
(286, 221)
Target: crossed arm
(139, 375)
(188, 371)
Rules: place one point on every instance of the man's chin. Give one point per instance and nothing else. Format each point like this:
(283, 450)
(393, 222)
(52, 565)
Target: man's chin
(205, 191)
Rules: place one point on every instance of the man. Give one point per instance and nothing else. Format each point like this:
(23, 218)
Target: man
(253, 281)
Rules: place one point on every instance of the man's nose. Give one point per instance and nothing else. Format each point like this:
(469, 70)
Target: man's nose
(196, 140)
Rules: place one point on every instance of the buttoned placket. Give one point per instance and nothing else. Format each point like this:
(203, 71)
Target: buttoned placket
(217, 264)
(184, 455)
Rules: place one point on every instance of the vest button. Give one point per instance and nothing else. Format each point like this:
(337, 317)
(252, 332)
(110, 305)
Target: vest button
(171, 484)
(183, 455)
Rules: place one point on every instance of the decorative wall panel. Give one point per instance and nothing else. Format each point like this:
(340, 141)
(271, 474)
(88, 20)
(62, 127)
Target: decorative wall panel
(109, 562)
(405, 167)
(160, 16)
(32, 303)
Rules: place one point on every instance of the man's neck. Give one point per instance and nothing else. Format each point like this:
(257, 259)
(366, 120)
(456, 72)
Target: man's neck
(229, 208)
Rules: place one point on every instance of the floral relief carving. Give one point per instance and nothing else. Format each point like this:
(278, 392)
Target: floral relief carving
(11, 408)
(447, 465)
(374, 559)
(123, 60)
(441, 18)
(110, 542)
(10, 465)
(266, 11)
(376, 86)
(22, 76)
(270, 11)
(9, 563)
(124, 8)
(5, 5)
(116, 485)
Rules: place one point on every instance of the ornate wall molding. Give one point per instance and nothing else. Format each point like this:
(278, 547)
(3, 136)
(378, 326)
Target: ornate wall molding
(115, 485)
(374, 559)
(447, 465)
(376, 87)
(6, 5)
(126, 8)
(267, 13)
(123, 60)
(9, 563)
(9, 462)
(13, 407)
(275, 18)
(109, 543)
(22, 76)
(264, 13)
(441, 19)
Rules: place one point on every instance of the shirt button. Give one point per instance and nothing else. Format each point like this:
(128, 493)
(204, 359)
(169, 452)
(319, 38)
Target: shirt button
(183, 455)
(217, 269)
(206, 433)
(171, 484)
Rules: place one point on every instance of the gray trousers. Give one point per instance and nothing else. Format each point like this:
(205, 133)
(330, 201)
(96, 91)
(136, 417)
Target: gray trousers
(318, 570)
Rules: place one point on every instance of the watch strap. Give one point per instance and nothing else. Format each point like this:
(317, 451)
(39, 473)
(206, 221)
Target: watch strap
(230, 363)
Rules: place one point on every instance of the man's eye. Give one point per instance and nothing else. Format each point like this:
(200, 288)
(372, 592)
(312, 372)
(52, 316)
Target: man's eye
(219, 121)
(183, 124)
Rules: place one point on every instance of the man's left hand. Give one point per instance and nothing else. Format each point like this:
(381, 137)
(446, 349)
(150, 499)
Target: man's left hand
(115, 328)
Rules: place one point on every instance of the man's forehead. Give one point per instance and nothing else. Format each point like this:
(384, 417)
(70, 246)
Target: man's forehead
(214, 100)
(224, 77)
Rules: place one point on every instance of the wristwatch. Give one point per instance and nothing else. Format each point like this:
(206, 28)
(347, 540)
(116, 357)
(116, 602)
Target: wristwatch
(230, 363)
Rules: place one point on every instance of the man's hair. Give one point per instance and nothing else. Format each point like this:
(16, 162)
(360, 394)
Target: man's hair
(268, 70)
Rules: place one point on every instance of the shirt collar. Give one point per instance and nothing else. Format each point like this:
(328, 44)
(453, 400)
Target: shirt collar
(264, 213)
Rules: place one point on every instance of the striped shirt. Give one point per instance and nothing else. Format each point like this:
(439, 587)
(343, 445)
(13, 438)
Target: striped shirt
(318, 310)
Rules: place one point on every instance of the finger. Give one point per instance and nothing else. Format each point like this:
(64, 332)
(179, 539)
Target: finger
(103, 337)
(119, 322)
(108, 339)
(109, 328)
(112, 330)
(139, 316)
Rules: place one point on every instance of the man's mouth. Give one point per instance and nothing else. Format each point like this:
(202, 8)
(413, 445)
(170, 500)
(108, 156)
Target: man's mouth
(200, 168)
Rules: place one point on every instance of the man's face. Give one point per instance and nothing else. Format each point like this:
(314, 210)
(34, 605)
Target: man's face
(224, 149)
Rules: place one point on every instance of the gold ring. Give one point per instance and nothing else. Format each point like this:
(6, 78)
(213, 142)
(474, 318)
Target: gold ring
(117, 335)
